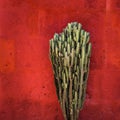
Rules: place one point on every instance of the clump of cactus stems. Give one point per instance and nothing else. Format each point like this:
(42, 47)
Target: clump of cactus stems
(70, 57)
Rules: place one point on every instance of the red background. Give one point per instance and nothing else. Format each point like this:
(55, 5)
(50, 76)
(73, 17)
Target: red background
(27, 90)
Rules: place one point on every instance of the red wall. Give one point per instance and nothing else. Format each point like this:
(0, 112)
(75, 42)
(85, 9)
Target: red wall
(27, 90)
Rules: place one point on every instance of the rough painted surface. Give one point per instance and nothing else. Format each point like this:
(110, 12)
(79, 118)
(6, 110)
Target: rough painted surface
(27, 90)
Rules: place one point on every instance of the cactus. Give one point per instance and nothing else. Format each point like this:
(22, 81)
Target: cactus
(70, 56)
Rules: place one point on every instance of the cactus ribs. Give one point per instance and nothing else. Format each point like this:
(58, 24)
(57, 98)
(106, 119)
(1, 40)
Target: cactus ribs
(70, 57)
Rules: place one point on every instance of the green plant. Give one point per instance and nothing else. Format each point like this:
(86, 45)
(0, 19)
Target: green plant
(70, 57)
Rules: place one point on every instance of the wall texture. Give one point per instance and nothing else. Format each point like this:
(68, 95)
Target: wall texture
(27, 90)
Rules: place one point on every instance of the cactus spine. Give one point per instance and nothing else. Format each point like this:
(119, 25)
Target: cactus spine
(70, 57)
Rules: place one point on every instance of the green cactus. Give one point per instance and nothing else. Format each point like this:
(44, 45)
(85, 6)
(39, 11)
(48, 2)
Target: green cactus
(70, 56)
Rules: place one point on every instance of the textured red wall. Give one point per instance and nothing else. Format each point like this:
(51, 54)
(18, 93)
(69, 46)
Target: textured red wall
(27, 90)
